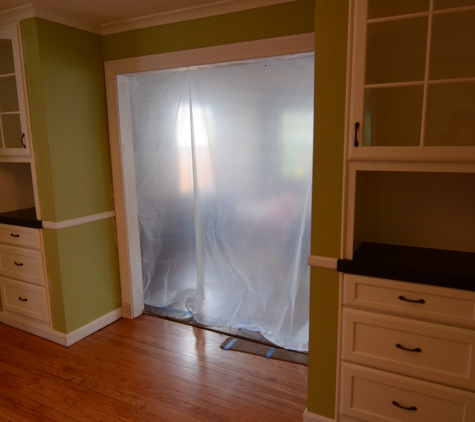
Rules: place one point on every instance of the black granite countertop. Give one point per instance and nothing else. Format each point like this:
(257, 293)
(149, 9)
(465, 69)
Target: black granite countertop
(435, 267)
(25, 217)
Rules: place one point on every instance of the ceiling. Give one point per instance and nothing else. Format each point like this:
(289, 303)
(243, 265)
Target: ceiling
(103, 12)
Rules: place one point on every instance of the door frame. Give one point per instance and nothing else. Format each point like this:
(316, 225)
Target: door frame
(121, 141)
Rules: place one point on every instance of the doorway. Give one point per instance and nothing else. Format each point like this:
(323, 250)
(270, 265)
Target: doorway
(254, 213)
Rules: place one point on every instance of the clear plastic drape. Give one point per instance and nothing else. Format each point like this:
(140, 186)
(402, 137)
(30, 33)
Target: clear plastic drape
(223, 170)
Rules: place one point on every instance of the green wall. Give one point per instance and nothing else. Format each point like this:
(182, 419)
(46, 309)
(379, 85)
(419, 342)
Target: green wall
(291, 18)
(83, 271)
(66, 90)
(331, 31)
(64, 70)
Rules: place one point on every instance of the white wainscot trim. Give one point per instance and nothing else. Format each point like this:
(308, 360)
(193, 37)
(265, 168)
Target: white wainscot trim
(77, 221)
(322, 262)
(61, 338)
(313, 417)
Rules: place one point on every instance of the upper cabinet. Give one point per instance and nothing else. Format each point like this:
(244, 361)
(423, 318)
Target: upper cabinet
(413, 80)
(14, 133)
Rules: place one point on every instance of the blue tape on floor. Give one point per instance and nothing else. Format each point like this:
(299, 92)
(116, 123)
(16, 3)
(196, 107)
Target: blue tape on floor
(230, 344)
(270, 352)
(166, 308)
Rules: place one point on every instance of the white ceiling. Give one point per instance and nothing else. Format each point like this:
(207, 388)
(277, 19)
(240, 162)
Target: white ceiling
(107, 11)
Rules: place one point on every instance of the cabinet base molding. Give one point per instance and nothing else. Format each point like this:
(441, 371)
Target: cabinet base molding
(61, 338)
(313, 417)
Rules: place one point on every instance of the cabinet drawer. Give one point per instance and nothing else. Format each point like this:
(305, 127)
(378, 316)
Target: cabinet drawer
(410, 299)
(433, 352)
(20, 236)
(22, 264)
(24, 299)
(377, 396)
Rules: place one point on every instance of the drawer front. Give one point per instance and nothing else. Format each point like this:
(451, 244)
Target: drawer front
(377, 396)
(433, 352)
(22, 264)
(24, 299)
(20, 236)
(410, 299)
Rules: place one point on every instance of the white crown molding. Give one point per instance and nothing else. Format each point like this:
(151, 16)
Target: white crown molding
(33, 10)
(16, 14)
(219, 8)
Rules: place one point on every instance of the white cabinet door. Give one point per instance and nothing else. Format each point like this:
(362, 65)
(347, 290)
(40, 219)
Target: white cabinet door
(14, 132)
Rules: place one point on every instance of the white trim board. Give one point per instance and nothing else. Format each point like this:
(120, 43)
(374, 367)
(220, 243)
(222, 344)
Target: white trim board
(58, 337)
(78, 221)
(313, 417)
(121, 141)
(322, 262)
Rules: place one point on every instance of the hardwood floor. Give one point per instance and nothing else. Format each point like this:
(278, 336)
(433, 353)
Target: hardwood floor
(147, 369)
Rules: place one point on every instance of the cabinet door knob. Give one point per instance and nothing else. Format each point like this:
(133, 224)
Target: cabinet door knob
(22, 140)
(410, 300)
(22, 299)
(395, 403)
(417, 349)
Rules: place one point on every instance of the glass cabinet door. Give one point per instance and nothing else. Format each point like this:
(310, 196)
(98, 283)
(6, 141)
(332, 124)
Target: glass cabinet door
(13, 139)
(413, 75)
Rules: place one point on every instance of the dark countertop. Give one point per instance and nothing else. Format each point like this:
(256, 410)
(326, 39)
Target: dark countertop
(25, 217)
(436, 267)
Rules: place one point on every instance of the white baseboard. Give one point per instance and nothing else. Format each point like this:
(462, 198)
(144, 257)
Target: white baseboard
(313, 417)
(93, 326)
(56, 336)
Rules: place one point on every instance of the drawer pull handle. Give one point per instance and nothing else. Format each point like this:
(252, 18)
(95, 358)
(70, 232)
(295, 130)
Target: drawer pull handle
(405, 299)
(395, 403)
(20, 264)
(22, 299)
(14, 235)
(417, 349)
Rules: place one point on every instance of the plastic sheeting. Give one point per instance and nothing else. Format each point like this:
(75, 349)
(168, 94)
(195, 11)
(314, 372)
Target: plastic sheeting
(223, 171)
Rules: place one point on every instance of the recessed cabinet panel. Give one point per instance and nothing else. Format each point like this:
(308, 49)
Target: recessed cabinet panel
(396, 51)
(453, 46)
(7, 65)
(8, 94)
(12, 131)
(450, 118)
(447, 4)
(393, 116)
(385, 8)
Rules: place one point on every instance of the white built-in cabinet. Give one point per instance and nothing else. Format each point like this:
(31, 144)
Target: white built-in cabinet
(14, 128)
(24, 294)
(407, 315)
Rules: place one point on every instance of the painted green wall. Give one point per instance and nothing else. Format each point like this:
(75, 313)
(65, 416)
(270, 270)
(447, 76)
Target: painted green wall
(291, 18)
(66, 90)
(67, 101)
(331, 32)
(83, 272)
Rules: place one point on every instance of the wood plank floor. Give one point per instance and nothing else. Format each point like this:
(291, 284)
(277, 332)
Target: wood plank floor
(147, 369)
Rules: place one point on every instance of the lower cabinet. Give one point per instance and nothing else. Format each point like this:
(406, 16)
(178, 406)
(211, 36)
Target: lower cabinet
(407, 351)
(23, 292)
